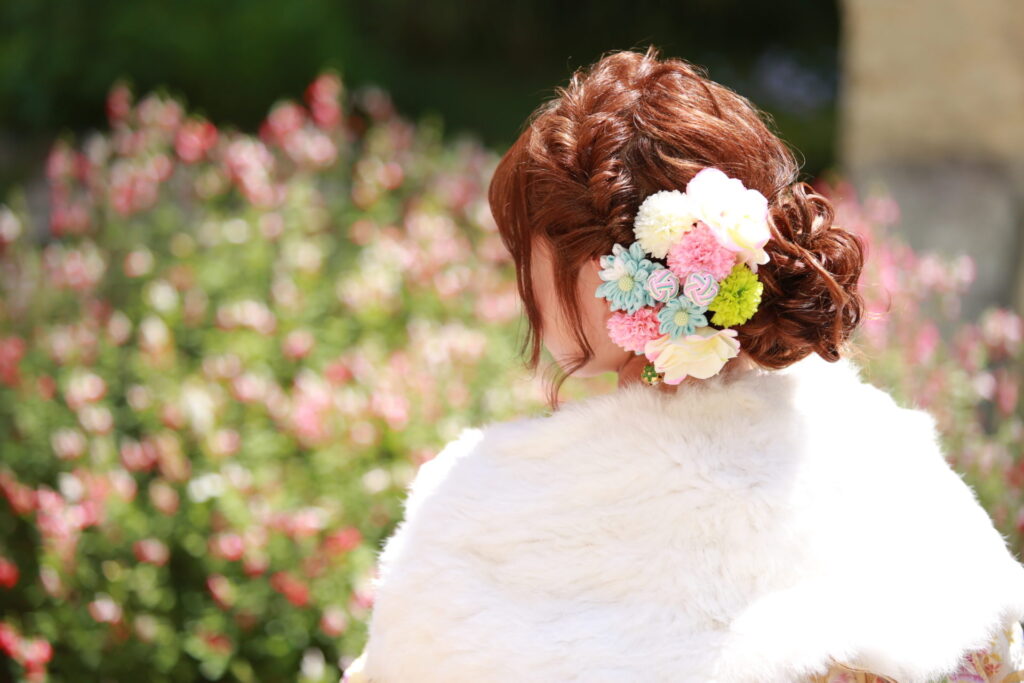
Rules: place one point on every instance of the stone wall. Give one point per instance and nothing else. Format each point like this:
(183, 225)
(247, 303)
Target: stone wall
(932, 109)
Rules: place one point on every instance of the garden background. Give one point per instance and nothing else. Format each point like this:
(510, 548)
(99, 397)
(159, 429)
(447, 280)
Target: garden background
(249, 282)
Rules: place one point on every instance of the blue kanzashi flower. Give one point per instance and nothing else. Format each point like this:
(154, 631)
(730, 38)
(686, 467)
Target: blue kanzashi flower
(625, 273)
(680, 316)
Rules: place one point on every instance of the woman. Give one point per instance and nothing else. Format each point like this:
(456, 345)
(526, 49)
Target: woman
(745, 507)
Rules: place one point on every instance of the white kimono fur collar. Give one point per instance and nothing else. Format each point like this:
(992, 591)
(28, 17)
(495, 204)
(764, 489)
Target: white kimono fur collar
(748, 530)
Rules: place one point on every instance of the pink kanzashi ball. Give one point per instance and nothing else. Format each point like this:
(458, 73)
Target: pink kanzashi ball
(701, 288)
(663, 284)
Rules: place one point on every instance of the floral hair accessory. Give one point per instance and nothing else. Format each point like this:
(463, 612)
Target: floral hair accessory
(691, 271)
(625, 273)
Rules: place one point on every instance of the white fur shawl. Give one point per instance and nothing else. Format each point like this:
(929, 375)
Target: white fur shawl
(745, 530)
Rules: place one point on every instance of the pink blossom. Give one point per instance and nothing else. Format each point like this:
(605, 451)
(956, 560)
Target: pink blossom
(1007, 391)
(194, 139)
(363, 433)
(68, 443)
(699, 249)
(297, 344)
(255, 563)
(225, 442)
(122, 484)
(285, 118)
(68, 217)
(119, 102)
(138, 456)
(333, 621)
(251, 166)
(294, 590)
(96, 419)
(1002, 330)
(221, 589)
(343, 540)
(10, 641)
(392, 406)
(159, 112)
(310, 148)
(133, 187)
(323, 96)
(228, 546)
(338, 372)
(632, 331)
(12, 349)
(8, 573)
(104, 610)
(151, 550)
(20, 497)
(926, 342)
(311, 406)
(36, 652)
(217, 642)
(163, 497)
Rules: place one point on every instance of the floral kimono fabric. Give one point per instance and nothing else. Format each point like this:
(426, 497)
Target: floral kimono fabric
(1001, 662)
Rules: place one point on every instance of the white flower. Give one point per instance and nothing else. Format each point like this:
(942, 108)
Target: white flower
(661, 220)
(701, 354)
(738, 217)
(613, 266)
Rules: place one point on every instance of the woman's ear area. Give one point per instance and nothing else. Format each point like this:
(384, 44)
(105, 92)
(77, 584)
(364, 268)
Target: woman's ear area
(591, 270)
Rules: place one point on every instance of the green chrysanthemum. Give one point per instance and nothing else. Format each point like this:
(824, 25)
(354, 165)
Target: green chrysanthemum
(739, 295)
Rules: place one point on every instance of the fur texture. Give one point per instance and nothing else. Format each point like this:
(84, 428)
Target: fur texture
(743, 530)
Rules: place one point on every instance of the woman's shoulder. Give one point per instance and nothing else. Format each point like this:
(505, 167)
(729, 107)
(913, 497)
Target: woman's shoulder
(805, 506)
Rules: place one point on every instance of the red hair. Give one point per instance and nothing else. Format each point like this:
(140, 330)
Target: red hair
(632, 124)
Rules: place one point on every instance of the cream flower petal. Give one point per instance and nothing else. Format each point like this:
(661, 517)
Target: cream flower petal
(700, 355)
(661, 220)
(737, 216)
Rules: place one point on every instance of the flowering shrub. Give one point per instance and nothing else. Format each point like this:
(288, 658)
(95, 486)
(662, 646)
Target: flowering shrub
(221, 370)
(223, 365)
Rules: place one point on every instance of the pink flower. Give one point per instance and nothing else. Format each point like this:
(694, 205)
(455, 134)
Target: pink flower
(228, 546)
(322, 96)
(221, 589)
(104, 610)
(8, 573)
(632, 331)
(194, 139)
(334, 621)
(11, 351)
(298, 344)
(36, 652)
(163, 497)
(294, 590)
(343, 540)
(925, 344)
(10, 641)
(151, 550)
(699, 249)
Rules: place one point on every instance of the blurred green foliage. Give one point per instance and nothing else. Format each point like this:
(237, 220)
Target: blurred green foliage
(221, 371)
(481, 66)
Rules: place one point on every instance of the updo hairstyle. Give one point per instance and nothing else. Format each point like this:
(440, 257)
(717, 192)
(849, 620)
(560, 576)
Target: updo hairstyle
(632, 124)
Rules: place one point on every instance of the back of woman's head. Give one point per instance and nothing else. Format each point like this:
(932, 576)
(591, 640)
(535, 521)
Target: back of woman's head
(633, 124)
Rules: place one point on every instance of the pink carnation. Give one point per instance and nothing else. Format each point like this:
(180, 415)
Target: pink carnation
(699, 249)
(632, 331)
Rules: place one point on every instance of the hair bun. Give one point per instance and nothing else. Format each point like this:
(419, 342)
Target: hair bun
(810, 301)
